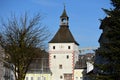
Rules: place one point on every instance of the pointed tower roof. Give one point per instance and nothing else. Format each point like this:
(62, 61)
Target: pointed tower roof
(64, 14)
(63, 35)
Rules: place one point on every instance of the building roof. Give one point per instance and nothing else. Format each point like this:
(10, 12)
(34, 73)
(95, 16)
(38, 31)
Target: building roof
(64, 14)
(83, 59)
(81, 63)
(63, 36)
(40, 63)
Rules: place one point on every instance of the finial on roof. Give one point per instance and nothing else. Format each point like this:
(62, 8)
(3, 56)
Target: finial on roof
(64, 5)
(64, 14)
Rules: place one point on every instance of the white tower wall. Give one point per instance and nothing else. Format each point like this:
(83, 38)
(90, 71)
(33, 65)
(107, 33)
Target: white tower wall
(62, 59)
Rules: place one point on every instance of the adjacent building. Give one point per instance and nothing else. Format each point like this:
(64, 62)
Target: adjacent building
(2, 56)
(84, 66)
(6, 68)
(39, 68)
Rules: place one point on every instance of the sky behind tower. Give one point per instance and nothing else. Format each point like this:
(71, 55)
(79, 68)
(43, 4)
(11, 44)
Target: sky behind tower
(83, 15)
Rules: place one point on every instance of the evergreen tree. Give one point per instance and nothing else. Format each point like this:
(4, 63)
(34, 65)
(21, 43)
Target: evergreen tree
(107, 61)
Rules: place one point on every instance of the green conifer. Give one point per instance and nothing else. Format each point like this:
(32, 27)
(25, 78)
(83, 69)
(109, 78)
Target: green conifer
(107, 61)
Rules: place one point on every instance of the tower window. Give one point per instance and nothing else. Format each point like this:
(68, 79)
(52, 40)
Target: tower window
(68, 47)
(54, 57)
(61, 77)
(53, 47)
(60, 66)
(67, 56)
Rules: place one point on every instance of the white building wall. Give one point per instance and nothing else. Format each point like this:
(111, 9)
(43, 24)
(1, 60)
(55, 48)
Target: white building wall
(61, 59)
(90, 67)
(38, 76)
(65, 55)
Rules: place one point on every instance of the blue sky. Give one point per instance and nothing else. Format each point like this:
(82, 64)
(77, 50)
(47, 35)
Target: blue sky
(83, 15)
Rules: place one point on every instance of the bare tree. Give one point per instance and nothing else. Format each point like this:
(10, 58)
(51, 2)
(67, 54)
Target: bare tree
(21, 38)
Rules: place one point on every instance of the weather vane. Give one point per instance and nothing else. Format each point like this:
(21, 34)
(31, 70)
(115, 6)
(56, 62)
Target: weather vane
(64, 5)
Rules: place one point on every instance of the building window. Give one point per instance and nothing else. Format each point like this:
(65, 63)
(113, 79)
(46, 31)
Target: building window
(31, 78)
(38, 78)
(81, 78)
(61, 77)
(67, 56)
(76, 78)
(53, 47)
(44, 78)
(26, 78)
(60, 66)
(68, 47)
(54, 57)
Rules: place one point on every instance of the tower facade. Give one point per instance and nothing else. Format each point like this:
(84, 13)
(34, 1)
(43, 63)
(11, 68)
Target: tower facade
(63, 51)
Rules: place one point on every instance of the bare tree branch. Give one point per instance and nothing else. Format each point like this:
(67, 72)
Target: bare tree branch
(21, 39)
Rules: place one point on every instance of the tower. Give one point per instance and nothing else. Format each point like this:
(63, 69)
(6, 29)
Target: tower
(63, 51)
(64, 18)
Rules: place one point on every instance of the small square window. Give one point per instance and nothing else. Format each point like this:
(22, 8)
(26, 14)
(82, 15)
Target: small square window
(54, 57)
(60, 66)
(76, 78)
(38, 78)
(67, 56)
(68, 47)
(61, 77)
(26, 78)
(81, 78)
(31, 78)
(53, 47)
